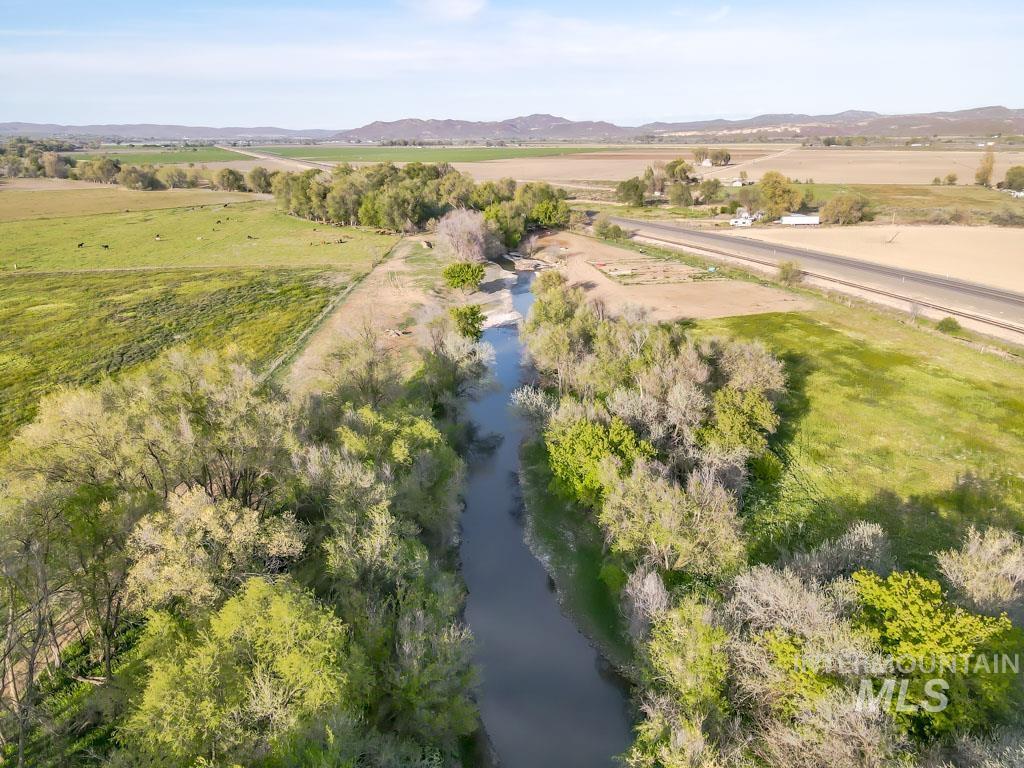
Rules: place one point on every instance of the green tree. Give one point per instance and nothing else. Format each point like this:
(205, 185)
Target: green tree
(631, 191)
(464, 275)
(1015, 178)
(259, 179)
(229, 179)
(576, 450)
(508, 221)
(680, 196)
(469, 320)
(271, 662)
(551, 213)
(844, 209)
(710, 190)
(778, 195)
(741, 421)
(173, 177)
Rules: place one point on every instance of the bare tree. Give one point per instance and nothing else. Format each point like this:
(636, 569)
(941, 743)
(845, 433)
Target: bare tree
(464, 235)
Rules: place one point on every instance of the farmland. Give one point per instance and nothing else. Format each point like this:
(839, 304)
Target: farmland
(57, 199)
(373, 154)
(161, 156)
(228, 235)
(242, 274)
(70, 330)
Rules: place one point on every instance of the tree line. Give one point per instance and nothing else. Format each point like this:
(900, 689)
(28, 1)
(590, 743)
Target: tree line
(415, 196)
(198, 570)
(738, 661)
(43, 158)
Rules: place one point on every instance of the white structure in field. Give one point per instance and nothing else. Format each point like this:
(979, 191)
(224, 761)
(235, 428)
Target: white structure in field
(741, 221)
(800, 220)
(1017, 192)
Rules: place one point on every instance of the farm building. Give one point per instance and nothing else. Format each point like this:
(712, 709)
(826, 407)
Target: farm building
(800, 219)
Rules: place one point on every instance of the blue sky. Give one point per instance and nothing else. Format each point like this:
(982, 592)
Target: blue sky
(336, 65)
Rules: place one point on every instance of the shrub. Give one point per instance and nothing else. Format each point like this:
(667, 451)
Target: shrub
(948, 325)
(469, 320)
(1015, 178)
(906, 616)
(844, 209)
(229, 179)
(790, 273)
(631, 191)
(465, 275)
(987, 571)
(1008, 218)
(605, 229)
(951, 179)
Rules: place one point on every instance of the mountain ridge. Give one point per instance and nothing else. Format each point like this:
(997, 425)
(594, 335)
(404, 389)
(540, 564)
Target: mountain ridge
(540, 126)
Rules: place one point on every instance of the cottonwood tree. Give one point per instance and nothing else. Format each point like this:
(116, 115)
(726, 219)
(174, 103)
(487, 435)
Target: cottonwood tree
(778, 195)
(280, 662)
(983, 176)
(196, 551)
(463, 234)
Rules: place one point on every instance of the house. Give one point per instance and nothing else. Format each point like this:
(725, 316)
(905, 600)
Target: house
(800, 219)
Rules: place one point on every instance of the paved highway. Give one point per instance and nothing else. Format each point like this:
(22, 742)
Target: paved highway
(959, 296)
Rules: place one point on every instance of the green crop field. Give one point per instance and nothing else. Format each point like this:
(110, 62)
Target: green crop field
(422, 154)
(72, 329)
(17, 204)
(239, 273)
(229, 235)
(885, 422)
(161, 156)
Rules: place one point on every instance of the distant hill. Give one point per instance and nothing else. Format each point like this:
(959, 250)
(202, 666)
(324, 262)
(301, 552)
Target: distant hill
(968, 122)
(149, 131)
(527, 128)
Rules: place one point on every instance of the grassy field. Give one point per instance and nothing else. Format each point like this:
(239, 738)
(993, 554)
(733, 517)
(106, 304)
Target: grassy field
(422, 154)
(162, 156)
(238, 273)
(886, 422)
(72, 329)
(18, 204)
(236, 235)
(917, 202)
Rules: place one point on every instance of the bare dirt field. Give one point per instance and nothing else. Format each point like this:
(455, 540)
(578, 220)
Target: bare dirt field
(989, 255)
(672, 299)
(823, 164)
(613, 165)
(869, 166)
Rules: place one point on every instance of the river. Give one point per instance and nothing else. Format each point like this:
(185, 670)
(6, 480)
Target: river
(545, 696)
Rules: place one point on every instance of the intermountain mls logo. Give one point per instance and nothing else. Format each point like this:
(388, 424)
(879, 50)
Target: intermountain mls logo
(894, 684)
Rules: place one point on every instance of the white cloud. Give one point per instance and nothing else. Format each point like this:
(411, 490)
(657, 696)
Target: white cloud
(449, 10)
